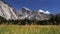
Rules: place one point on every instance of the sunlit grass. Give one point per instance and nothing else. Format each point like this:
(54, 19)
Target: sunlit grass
(29, 29)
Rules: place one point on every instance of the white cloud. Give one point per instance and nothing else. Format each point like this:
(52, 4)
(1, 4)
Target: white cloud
(45, 12)
(41, 11)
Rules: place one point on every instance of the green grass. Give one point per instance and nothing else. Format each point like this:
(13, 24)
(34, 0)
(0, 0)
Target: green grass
(32, 29)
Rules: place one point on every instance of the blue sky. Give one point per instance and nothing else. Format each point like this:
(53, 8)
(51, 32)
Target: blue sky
(50, 5)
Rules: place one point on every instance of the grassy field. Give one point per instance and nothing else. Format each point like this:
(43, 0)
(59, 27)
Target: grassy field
(29, 29)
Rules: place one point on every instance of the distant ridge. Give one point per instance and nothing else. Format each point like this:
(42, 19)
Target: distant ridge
(10, 13)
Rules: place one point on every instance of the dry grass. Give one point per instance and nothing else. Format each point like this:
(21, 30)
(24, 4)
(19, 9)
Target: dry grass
(29, 29)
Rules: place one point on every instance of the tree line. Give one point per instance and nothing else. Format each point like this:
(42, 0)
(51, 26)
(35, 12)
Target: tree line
(54, 20)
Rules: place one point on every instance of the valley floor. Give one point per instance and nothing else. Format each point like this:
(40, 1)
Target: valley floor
(29, 29)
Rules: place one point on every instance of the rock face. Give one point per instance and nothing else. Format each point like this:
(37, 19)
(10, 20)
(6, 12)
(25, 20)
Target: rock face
(24, 13)
(32, 15)
(6, 11)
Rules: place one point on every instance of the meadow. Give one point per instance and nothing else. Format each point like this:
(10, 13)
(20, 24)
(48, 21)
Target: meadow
(29, 29)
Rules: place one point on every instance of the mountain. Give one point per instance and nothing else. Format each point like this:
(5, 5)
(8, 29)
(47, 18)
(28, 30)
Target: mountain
(32, 15)
(9, 13)
(23, 13)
